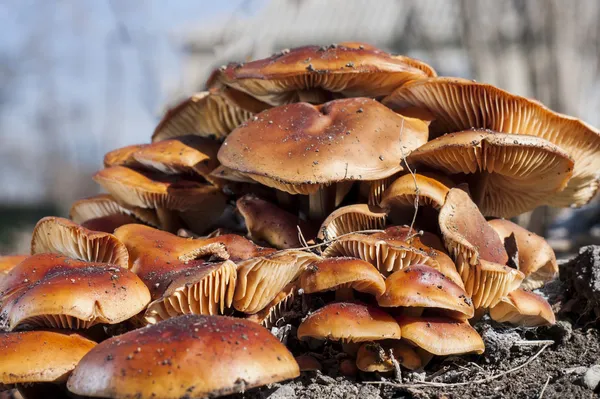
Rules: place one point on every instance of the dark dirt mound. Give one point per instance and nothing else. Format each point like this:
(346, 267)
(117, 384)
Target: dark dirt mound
(552, 362)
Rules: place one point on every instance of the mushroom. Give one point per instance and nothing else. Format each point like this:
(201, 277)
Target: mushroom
(458, 104)
(351, 218)
(375, 356)
(156, 191)
(61, 292)
(260, 279)
(269, 223)
(508, 174)
(431, 188)
(441, 336)
(103, 210)
(214, 113)
(305, 149)
(31, 357)
(349, 322)
(536, 259)
(308, 363)
(315, 74)
(183, 275)
(62, 236)
(274, 311)
(420, 286)
(523, 308)
(123, 156)
(188, 356)
(8, 262)
(342, 275)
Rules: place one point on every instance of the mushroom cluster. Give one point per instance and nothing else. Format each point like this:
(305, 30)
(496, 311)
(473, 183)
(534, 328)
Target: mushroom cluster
(344, 193)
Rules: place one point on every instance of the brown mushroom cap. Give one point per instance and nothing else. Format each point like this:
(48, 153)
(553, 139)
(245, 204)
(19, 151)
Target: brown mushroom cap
(147, 190)
(40, 356)
(308, 363)
(467, 235)
(537, 260)
(267, 222)
(262, 278)
(425, 287)
(402, 192)
(387, 254)
(333, 273)
(61, 236)
(523, 308)
(188, 356)
(123, 156)
(511, 174)
(458, 104)
(441, 336)
(349, 322)
(351, 218)
(375, 356)
(56, 291)
(298, 148)
(305, 72)
(103, 205)
(213, 113)
(8, 262)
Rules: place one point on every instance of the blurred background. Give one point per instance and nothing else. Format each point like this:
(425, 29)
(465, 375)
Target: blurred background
(81, 77)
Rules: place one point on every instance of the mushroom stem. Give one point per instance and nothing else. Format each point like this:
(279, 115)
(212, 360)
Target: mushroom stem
(350, 348)
(412, 311)
(285, 200)
(344, 294)
(424, 356)
(322, 203)
(169, 220)
(479, 186)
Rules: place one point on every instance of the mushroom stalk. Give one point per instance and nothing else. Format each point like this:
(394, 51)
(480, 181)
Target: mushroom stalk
(168, 219)
(322, 202)
(344, 294)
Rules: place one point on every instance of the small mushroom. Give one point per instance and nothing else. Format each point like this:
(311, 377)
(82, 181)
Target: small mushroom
(420, 286)
(274, 311)
(188, 356)
(64, 237)
(432, 190)
(61, 292)
(8, 262)
(307, 150)
(349, 322)
(31, 357)
(375, 356)
(86, 211)
(459, 104)
(308, 363)
(508, 174)
(523, 308)
(351, 218)
(536, 257)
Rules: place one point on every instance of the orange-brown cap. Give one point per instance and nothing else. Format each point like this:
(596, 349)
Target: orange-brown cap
(313, 72)
(509, 173)
(351, 218)
(188, 356)
(349, 322)
(424, 287)
(282, 303)
(375, 356)
(468, 236)
(123, 156)
(152, 190)
(308, 363)
(267, 222)
(104, 205)
(262, 278)
(40, 356)
(299, 147)
(458, 104)
(441, 336)
(537, 260)
(56, 291)
(62, 236)
(432, 191)
(8, 262)
(334, 273)
(523, 308)
(212, 113)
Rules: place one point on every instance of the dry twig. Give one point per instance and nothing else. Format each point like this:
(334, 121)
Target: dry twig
(544, 388)
(416, 202)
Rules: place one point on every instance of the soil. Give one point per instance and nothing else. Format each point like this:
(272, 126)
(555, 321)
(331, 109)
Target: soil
(557, 371)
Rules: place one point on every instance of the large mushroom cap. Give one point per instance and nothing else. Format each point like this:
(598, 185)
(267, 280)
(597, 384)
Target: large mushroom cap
(523, 308)
(351, 218)
(300, 147)
(334, 273)
(349, 322)
(212, 113)
(312, 73)
(441, 336)
(40, 356)
(424, 287)
(56, 291)
(536, 257)
(458, 104)
(510, 174)
(61, 236)
(188, 356)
